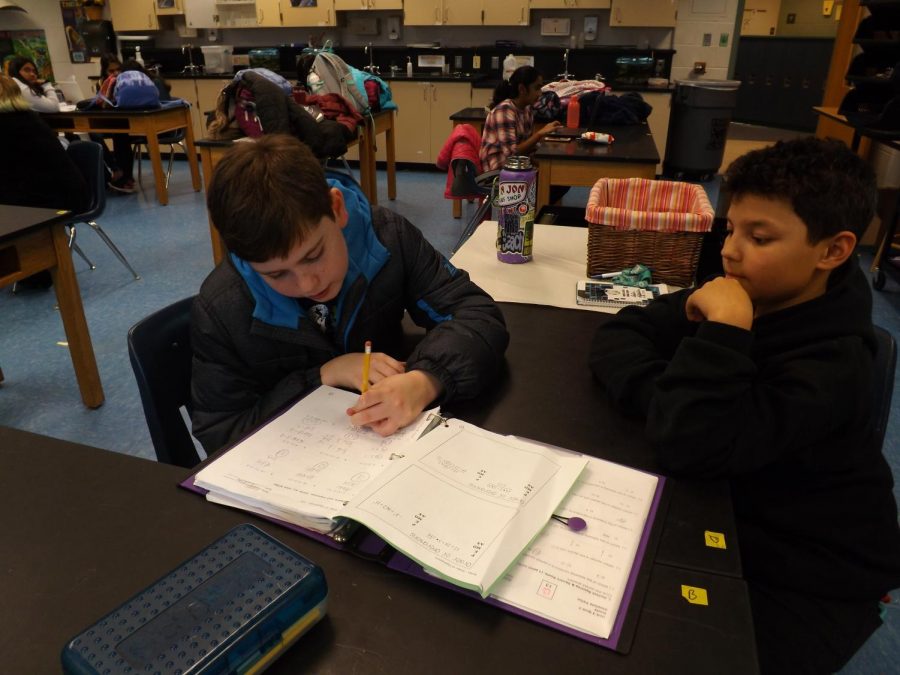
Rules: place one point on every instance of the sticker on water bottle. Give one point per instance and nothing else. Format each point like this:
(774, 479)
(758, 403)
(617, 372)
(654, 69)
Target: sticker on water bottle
(510, 193)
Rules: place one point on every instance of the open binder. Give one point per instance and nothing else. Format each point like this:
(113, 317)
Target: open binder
(360, 541)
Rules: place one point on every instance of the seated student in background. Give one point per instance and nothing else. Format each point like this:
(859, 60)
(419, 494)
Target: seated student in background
(40, 95)
(765, 377)
(314, 272)
(122, 154)
(509, 127)
(35, 171)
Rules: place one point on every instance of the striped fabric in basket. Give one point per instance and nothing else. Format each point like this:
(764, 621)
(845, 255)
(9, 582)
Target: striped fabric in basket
(649, 205)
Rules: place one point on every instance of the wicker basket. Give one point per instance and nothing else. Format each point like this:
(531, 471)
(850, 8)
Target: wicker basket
(656, 223)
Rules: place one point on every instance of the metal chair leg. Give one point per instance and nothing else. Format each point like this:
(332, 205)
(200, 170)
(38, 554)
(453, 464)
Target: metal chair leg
(75, 247)
(114, 249)
(136, 151)
(473, 223)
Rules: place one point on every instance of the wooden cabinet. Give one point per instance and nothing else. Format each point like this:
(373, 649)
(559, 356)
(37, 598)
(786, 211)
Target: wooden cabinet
(570, 4)
(200, 14)
(358, 5)
(643, 13)
(202, 94)
(320, 15)
(509, 13)
(134, 15)
(442, 13)
(423, 117)
(482, 97)
(168, 7)
(268, 13)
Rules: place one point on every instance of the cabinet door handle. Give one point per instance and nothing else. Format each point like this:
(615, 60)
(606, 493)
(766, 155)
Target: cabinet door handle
(437, 15)
(433, 93)
(425, 92)
(259, 16)
(447, 15)
(149, 21)
(522, 16)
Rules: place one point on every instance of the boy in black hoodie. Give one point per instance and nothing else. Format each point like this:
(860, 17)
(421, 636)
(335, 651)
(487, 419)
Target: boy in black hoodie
(765, 377)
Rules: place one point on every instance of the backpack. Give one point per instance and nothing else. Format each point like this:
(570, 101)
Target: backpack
(273, 77)
(366, 81)
(134, 89)
(338, 78)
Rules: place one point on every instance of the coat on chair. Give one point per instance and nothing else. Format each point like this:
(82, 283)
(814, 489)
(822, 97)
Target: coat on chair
(463, 143)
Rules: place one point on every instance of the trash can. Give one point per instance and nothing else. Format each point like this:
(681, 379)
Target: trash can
(698, 127)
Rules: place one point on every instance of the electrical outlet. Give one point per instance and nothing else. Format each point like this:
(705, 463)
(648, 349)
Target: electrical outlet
(590, 28)
(476, 62)
(723, 39)
(495, 62)
(707, 39)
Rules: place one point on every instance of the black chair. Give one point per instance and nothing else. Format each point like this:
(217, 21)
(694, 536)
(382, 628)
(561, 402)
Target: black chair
(885, 365)
(88, 157)
(468, 183)
(170, 138)
(159, 347)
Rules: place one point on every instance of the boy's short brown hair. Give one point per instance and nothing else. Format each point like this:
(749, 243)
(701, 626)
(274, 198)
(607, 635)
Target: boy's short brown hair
(827, 185)
(266, 196)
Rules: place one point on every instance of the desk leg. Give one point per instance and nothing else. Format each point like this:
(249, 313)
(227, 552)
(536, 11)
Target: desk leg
(367, 162)
(191, 150)
(543, 190)
(72, 313)
(457, 208)
(162, 195)
(391, 158)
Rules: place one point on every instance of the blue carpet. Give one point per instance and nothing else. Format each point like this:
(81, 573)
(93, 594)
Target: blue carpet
(169, 247)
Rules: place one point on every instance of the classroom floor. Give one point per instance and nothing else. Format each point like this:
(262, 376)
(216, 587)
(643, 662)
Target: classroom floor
(169, 246)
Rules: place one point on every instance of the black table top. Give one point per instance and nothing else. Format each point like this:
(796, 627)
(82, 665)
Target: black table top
(85, 529)
(633, 143)
(18, 219)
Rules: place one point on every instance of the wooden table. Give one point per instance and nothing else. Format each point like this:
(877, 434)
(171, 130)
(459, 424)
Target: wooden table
(211, 152)
(33, 240)
(580, 163)
(147, 123)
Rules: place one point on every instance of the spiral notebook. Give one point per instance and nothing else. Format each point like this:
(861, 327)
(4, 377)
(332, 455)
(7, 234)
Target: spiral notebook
(608, 294)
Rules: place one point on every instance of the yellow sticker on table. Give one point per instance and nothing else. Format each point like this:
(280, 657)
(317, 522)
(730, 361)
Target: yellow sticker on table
(714, 539)
(694, 595)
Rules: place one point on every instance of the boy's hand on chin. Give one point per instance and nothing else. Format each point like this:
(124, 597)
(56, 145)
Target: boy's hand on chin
(395, 401)
(721, 300)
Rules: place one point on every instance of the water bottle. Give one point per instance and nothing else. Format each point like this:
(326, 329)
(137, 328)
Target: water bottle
(515, 202)
(137, 55)
(573, 114)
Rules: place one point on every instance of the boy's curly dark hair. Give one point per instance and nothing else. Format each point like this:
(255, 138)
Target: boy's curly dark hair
(827, 185)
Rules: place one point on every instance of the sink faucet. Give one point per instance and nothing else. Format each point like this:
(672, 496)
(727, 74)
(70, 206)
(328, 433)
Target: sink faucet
(566, 74)
(189, 69)
(372, 68)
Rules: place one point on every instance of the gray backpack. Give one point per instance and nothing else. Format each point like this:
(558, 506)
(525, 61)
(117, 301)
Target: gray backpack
(337, 78)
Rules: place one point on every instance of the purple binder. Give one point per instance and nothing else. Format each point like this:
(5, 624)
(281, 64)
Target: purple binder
(369, 545)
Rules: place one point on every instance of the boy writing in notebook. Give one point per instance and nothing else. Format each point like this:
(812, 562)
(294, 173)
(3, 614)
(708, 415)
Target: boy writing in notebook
(765, 377)
(313, 273)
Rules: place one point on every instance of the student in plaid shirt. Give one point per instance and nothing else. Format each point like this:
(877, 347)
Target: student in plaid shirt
(509, 127)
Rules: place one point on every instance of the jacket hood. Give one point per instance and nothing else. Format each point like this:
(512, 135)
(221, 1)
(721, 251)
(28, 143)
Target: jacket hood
(845, 309)
(366, 257)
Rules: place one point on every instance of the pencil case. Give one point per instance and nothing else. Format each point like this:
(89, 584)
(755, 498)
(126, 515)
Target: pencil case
(232, 608)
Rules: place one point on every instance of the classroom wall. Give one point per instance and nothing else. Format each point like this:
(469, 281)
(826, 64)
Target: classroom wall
(696, 19)
(46, 15)
(808, 21)
(760, 17)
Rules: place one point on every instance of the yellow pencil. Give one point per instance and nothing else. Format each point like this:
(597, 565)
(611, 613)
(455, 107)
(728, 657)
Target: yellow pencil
(367, 362)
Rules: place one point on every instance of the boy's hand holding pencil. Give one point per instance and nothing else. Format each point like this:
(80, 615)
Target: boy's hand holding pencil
(344, 371)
